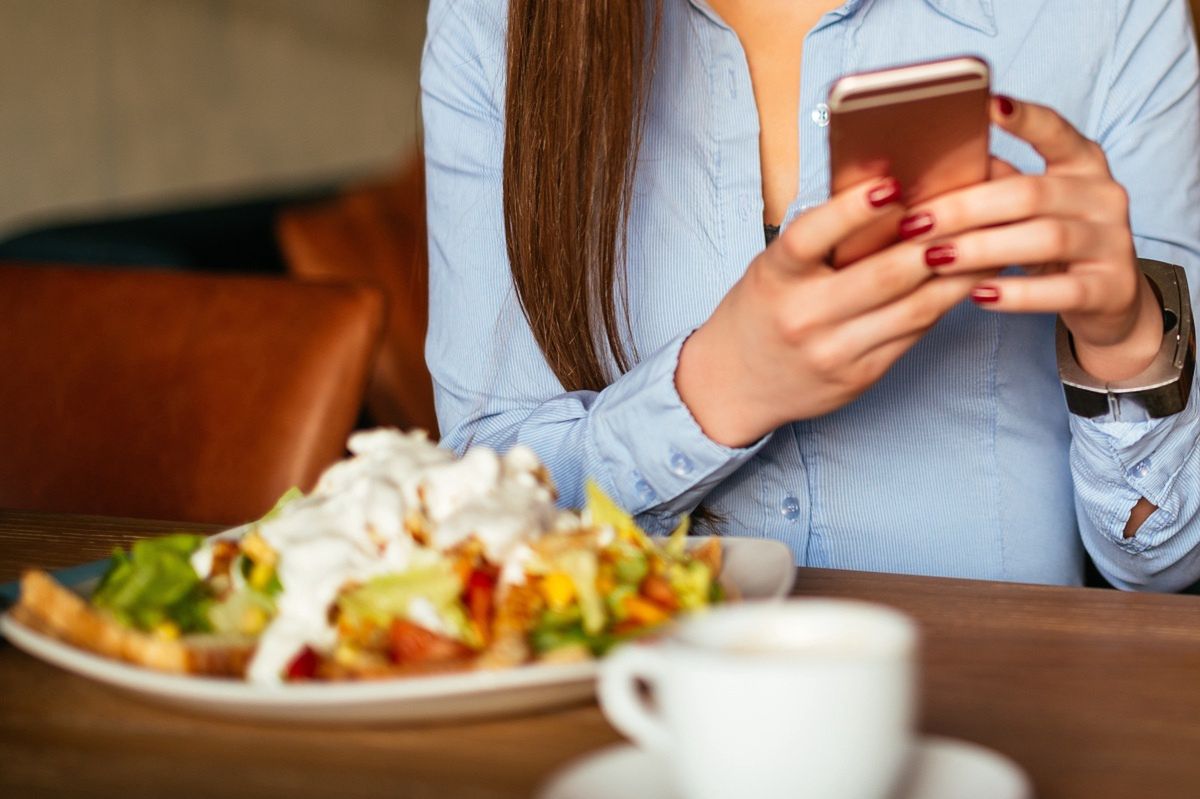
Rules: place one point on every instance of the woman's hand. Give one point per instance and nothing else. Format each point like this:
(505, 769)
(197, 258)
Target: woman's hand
(794, 338)
(1069, 227)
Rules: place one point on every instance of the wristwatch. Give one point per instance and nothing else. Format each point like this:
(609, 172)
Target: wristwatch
(1163, 388)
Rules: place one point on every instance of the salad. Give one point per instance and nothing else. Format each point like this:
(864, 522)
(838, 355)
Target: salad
(402, 560)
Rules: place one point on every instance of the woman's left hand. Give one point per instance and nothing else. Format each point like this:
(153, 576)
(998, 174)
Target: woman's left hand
(1069, 227)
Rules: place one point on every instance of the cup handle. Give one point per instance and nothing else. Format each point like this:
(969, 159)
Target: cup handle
(621, 701)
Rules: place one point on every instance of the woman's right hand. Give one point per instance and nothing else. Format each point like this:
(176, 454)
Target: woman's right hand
(795, 338)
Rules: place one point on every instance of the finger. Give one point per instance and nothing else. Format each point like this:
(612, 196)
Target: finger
(999, 168)
(1068, 292)
(1038, 241)
(807, 241)
(910, 316)
(876, 280)
(1051, 135)
(1013, 199)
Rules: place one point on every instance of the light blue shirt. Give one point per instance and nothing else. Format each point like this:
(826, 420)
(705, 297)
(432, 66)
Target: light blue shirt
(963, 460)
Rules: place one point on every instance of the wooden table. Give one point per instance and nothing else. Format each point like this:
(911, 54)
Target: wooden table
(1096, 693)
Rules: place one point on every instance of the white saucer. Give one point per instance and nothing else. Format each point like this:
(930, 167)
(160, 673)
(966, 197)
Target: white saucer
(942, 768)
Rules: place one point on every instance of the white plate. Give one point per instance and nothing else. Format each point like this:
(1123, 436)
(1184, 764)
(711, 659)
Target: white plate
(757, 568)
(941, 768)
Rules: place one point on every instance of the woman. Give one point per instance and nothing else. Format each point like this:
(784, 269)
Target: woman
(600, 290)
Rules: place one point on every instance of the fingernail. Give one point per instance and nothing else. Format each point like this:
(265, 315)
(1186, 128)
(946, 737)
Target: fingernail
(886, 193)
(915, 225)
(1006, 105)
(940, 255)
(985, 295)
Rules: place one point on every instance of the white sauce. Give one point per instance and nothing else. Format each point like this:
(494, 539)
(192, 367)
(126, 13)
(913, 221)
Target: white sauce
(352, 528)
(202, 559)
(421, 611)
(513, 571)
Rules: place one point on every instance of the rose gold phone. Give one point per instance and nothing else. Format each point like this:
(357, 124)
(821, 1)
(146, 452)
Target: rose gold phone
(924, 124)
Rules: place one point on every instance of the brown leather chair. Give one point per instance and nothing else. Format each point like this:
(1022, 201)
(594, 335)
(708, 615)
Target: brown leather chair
(174, 396)
(375, 233)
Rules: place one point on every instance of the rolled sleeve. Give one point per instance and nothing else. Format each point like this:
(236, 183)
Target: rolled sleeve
(1118, 463)
(657, 453)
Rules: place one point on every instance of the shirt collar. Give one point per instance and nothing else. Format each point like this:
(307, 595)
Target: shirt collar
(975, 14)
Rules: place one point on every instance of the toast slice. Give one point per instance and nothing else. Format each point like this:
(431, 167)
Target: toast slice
(57, 611)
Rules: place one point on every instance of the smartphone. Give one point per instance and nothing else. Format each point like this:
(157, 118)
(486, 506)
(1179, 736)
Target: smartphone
(924, 124)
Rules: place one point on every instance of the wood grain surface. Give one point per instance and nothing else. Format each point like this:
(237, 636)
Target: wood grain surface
(54, 541)
(1095, 693)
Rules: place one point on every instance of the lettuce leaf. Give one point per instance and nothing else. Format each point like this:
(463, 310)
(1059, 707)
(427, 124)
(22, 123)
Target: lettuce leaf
(692, 584)
(390, 596)
(676, 544)
(600, 511)
(582, 566)
(285, 499)
(245, 612)
(155, 583)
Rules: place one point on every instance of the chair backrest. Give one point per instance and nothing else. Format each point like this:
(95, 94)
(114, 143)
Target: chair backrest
(171, 395)
(376, 233)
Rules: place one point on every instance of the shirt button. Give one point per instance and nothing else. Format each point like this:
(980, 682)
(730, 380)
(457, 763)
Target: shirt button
(644, 489)
(746, 205)
(681, 464)
(790, 508)
(1139, 469)
(820, 115)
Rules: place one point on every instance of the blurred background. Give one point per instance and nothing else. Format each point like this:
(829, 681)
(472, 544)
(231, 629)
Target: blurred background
(212, 248)
(128, 104)
(123, 104)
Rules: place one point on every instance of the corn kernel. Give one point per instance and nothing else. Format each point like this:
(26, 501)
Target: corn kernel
(258, 550)
(167, 630)
(605, 582)
(261, 574)
(643, 611)
(345, 655)
(558, 589)
(253, 620)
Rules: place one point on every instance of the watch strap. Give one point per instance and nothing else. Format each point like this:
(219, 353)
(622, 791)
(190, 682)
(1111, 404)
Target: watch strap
(1163, 388)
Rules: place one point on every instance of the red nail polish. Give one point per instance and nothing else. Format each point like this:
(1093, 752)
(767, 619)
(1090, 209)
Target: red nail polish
(985, 295)
(916, 225)
(886, 193)
(1006, 105)
(940, 255)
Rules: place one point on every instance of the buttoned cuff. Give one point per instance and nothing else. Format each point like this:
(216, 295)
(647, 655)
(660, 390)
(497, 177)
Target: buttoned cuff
(1138, 459)
(660, 461)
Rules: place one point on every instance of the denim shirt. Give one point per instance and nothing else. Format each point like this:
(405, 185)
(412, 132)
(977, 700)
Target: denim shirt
(963, 460)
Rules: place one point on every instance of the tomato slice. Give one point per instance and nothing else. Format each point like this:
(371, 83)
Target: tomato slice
(304, 665)
(481, 591)
(413, 644)
(658, 591)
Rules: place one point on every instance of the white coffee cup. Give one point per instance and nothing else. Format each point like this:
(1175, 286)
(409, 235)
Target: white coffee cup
(808, 698)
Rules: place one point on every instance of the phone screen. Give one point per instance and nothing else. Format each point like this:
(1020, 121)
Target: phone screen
(924, 124)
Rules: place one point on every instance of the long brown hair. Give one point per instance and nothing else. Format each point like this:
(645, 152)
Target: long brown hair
(578, 73)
